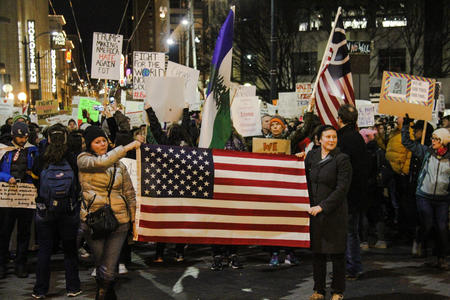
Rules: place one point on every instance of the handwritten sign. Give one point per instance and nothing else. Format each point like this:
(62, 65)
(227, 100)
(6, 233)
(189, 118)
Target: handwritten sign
(46, 108)
(21, 195)
(246, 116)
(277, 146)
(407, 94)
(237, 90)
(190, 80)
(146, 64)
(166, 96)
(106, 51)
(88, 104)
(289, 105)
(366, 113)
(63, 119)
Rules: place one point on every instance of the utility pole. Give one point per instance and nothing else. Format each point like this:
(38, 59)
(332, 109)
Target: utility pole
(192, 22)
(273, 58)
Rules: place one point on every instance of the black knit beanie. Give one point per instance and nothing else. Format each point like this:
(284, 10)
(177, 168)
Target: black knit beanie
(91, 133)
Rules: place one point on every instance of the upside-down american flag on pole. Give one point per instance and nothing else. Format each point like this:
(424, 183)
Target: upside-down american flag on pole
(210, 196)
(334, 83)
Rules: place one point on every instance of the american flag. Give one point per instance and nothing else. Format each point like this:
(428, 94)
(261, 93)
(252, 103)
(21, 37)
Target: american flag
(210, 196)
(334, 84)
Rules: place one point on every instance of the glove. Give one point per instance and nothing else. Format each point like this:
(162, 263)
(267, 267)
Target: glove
(407, 120)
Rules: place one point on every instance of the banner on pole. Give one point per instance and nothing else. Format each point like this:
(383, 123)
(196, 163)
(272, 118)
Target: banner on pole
(246, 116)
(106, 51)
(407, 94)
(146, 64)
(20, 195)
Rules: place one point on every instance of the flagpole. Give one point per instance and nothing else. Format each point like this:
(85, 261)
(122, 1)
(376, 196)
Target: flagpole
(312, 103)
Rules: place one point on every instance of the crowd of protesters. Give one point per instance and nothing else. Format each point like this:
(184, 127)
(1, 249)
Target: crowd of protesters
(367, 186)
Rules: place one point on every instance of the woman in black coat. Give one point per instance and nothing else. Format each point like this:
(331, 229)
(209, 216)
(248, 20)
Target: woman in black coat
(329, 173)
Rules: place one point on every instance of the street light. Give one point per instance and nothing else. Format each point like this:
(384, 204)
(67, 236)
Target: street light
(185, 22)
(22, 96)
(170, 41)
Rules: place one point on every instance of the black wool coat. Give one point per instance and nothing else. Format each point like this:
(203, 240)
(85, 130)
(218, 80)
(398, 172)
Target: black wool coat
(328, 183)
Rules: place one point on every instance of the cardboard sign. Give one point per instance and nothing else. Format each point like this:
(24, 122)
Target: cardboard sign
(132, 170)
(20, 195)
(106, 51)
(88, 104)
(46, 108)
(366, 113)
(277, 146)
(190, 76)
(407, 94)
(246, 116)
(146, 64)
(166, 96)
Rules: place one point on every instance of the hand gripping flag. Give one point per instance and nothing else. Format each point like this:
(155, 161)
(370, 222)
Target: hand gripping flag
(334, 84)
(211, 196)
(216, 118)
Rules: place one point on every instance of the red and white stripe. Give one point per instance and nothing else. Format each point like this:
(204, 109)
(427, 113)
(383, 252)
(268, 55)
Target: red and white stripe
(259, 199)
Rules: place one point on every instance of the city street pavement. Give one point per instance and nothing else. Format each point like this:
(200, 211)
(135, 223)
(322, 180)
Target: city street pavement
(389, 274)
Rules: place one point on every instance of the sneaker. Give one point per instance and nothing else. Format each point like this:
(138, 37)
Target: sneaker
(74, 294)
(37, 296)
(291, 259)
(317, 296)
(364, 246)
(179, 257)
(337, 297)
(122, 269)
(274, 262)
(217, 263)
(83, 253)
(234, 263)
(158, 259)
(381, 245)
(94, 273)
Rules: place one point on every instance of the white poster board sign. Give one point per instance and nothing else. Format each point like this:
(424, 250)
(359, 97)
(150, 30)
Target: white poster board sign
(132, 170)
(246, 116)
(146, 64)
(190, 76)
(288, 106)
(20, 195)
(62, 119)
(237, 90)
(271, 109)
(6, 109)
(166, 96)
(106, 51)
(366, 113)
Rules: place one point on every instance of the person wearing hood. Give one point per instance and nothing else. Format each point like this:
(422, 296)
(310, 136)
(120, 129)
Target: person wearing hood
(432, 193)
(17, 158)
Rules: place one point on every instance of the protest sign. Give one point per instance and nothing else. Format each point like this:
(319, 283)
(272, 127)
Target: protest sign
(271, 109)
(288, 105)
(62, 119)
(132, 170)
(46, 109)
(20, 195)
(304, 90)
(88, 104)
(106, 51)
(366, 113)
(190, 80)
(246, 116)
(6, 109)
(407, 94)
(237, 90)
(146, 64)
(277, 146)
(166, 96)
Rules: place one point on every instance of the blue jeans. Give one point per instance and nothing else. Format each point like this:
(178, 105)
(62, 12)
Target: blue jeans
(353, 251)
(107, 250)
(433, 213)
(48, 230)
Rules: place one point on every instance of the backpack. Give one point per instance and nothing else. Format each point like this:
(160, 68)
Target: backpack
(57, 187)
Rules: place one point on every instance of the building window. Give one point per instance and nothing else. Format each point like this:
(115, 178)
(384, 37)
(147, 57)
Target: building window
(305, 63)
(393, 60)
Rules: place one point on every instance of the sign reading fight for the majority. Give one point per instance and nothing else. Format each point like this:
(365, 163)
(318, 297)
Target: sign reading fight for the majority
(106, 51)
(246, 116)
(20, 195)
(46, 108)
(407, 94)
(146, 64)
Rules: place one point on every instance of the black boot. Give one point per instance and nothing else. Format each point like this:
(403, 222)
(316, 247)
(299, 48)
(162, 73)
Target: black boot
(110, 292)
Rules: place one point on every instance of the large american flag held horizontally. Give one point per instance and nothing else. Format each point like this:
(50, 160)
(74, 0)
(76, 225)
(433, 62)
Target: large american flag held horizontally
(335, 83)
(209, 196)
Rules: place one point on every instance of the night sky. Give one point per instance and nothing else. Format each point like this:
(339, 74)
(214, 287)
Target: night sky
(92, 16)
